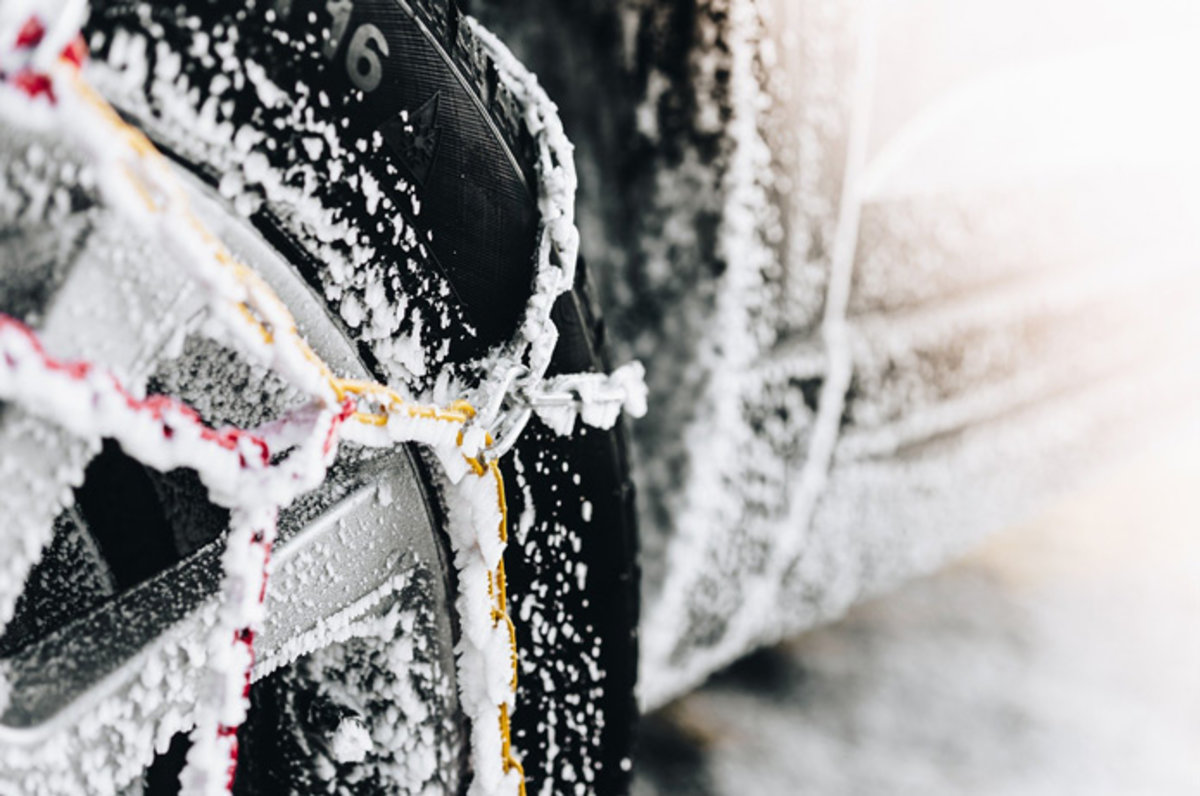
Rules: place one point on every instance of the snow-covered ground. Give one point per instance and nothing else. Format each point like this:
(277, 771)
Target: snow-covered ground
(1061, 657)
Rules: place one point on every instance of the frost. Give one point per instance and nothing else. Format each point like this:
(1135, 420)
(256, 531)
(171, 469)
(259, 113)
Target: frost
(5, 689)
(352, 311)
(268, 93)
(256, 473)
(596, 398)
(350, 742)
(384, 493)
(234, 466)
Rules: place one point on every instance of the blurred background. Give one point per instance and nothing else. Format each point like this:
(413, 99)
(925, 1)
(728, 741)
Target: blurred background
(1060, 657)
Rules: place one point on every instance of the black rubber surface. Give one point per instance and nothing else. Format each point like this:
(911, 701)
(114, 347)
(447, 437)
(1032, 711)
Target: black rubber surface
(412, 75)
(461, 142)
(584, 504)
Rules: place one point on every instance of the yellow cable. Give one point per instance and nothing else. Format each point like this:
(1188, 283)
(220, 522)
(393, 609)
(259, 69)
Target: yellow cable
(387, 399)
